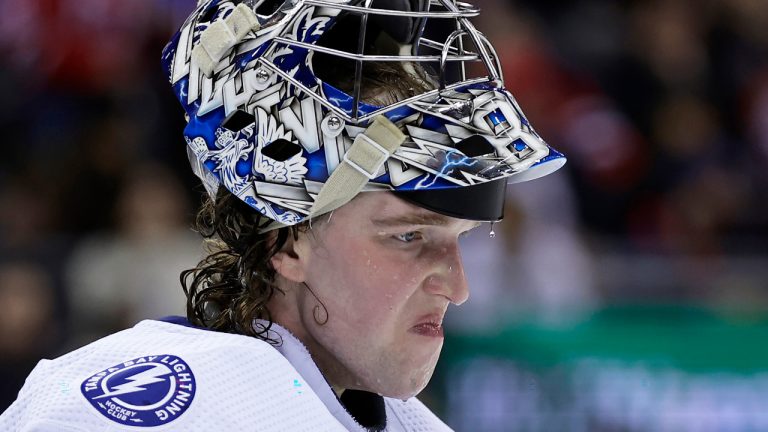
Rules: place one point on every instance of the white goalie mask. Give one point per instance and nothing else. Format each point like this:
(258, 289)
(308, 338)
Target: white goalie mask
(288, 110)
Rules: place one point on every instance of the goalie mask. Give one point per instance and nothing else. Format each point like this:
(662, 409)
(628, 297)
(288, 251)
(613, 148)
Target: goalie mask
(287, 110)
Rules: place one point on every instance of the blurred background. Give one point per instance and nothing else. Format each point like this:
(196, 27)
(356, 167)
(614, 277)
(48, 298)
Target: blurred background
(627, 292)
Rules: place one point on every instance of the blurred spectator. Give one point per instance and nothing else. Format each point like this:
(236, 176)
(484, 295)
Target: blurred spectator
(90, 45)
(106, 151)
(28, 235)
(25, 214)
(28, 330)
(538, 268)
(661, 107)
(118, 278)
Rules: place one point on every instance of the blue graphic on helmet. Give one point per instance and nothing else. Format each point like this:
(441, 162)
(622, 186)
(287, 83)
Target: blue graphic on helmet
(265, 73)
(146, 391)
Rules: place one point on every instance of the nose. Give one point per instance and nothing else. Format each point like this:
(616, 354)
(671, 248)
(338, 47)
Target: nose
(449, 279)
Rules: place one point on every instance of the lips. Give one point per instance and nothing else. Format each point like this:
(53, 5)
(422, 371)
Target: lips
(430, 326)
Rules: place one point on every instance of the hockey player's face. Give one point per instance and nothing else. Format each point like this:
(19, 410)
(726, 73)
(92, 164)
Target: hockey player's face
(385, 272)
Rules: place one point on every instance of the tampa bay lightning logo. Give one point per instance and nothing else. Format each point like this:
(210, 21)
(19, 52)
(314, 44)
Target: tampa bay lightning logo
(146, 391)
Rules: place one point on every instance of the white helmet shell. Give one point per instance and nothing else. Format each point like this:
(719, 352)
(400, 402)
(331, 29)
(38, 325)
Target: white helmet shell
(266, 127)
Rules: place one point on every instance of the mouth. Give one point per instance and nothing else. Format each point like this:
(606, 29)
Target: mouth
(429, 326)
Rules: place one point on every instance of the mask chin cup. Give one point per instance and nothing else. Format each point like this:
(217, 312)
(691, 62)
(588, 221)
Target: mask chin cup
(480, 202)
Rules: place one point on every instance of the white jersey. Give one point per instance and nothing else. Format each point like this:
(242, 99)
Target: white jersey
(164, 376)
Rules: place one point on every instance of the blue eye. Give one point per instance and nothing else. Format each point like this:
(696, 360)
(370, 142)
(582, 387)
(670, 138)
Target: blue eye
(407, 237)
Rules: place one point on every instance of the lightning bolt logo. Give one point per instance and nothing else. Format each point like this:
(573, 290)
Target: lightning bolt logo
(138, 381)
(453, 160)
(152, 390)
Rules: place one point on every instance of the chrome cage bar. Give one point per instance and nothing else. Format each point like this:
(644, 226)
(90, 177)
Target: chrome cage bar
(469, 12)
(370, 57)
(459, 11)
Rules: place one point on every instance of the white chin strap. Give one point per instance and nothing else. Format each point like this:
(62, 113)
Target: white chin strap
(361, 163)
(221, 36)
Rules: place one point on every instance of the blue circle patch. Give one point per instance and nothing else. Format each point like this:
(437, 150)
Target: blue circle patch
(146, 391)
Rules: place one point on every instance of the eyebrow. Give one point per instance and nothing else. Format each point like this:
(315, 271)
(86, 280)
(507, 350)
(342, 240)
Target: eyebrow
(413, 219)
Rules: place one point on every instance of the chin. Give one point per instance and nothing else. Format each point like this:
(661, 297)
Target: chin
(411, 391)
(405, 389)
(402, 394)
(402, 377)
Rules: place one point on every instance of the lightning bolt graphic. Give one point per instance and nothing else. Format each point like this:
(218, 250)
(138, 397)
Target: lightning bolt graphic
(459, 160)
(136, 382)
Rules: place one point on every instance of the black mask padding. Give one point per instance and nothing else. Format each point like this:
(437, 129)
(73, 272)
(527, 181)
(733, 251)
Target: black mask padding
(479, 202)
(281, 150)
(383, 35)
(474, 146)
(343, 35)
(404, 30)
(238, 120)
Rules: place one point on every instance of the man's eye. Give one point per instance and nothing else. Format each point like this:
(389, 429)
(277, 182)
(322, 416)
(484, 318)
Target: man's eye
(408, 237)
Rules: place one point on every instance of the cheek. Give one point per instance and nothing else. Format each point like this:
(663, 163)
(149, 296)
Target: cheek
(390, 270)
(368, 281)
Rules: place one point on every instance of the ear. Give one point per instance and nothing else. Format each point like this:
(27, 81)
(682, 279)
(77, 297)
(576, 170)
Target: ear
(287, 262)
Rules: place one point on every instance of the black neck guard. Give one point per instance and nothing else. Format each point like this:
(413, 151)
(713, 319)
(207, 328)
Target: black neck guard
(366, 408)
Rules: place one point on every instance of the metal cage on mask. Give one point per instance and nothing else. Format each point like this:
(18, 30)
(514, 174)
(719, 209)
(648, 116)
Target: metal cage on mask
(451, 50)
(265, 125)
